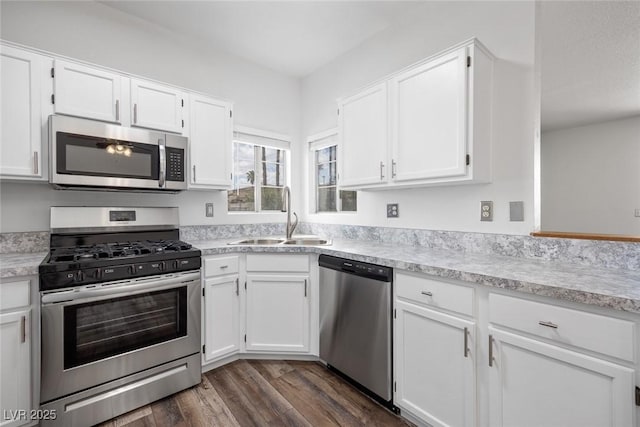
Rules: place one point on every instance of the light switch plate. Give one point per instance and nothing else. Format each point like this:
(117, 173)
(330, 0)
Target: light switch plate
(209, 209)
(486, 210)
(392, 210)
(516, 211)
(637, 213)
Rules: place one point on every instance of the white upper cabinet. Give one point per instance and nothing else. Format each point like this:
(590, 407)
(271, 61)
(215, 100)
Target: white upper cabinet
(156, 106)
(24, 76)
(87, 92)
(211, 134)
(362, 121)
(429, 112)
(435, 127)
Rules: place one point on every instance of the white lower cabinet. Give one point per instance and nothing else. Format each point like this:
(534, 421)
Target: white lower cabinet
(222, 317)
(535, 384)
(277, 313)
(435, 366)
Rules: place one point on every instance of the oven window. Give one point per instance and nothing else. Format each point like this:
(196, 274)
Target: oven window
(101, 329)
(91, 156)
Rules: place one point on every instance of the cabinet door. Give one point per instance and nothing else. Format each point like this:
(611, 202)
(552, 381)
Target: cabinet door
(429, 119)
(363, 137)
(87, 92)
(15, 366)
(277, 313)
(22, 118)
(537, 384)
(222, 317)
(434, 366)
(211, 137)
(156, 106)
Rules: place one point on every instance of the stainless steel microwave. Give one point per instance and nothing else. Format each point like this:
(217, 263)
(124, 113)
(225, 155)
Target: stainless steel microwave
(86, 154)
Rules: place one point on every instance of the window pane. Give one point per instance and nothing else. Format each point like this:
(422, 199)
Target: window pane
(326, 174)
(242, 197)
(349, 201)
(326, 155)
(271, 198)
(327, 199)
(273, 174)
(268, 154)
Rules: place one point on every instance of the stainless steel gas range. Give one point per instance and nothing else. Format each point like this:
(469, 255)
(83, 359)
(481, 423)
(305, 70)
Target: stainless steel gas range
(120, 304)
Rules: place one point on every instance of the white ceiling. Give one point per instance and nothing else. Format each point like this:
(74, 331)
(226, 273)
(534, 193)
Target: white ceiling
(292, 37)
(590, 61)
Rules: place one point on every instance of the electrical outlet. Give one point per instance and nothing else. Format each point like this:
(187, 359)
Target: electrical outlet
(486, 211)
(392, 210)
(516, 211)
(209, 209)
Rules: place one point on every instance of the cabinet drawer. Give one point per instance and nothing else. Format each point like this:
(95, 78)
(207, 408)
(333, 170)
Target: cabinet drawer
(14, 294)
(434, 293)
(601, 334)
(218, 266)
(278, 262)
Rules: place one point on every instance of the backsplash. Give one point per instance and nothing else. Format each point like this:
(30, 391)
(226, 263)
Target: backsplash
(594, 253)
(602, 254)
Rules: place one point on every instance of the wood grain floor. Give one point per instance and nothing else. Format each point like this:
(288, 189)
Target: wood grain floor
(264, 393)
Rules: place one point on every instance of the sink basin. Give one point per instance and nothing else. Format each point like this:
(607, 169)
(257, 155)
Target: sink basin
(308, 241)
(259, 241)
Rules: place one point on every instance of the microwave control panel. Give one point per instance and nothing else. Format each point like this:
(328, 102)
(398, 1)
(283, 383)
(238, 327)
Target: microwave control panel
(175, 164)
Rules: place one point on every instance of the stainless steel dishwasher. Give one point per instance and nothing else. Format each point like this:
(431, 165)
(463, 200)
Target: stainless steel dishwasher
(355, 324)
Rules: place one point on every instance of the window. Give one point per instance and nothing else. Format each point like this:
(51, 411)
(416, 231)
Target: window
(328, 197)
(259, 173)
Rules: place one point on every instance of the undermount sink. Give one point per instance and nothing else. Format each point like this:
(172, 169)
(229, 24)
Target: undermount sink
(296, 240)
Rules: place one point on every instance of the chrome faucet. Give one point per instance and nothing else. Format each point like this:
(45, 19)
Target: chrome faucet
(286, 207)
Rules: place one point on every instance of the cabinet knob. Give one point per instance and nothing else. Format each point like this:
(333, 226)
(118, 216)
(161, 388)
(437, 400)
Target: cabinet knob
(548, 324)
(135, 114)
(427, 293)
(35, 162)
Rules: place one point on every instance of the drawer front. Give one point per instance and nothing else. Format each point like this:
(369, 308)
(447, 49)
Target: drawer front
(14, 294)
(434, 293)
(278, 262)
(218, 266)
(602, 334)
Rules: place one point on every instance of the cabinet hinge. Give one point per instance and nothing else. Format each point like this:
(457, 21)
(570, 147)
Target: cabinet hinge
(53, 72)
(183, 123)
(637, 396)
(395, 313)
(203, 348)
(468, 61)
(468, 159)
(245, 337)
(202, 291)
(53, 98)
(245, 285)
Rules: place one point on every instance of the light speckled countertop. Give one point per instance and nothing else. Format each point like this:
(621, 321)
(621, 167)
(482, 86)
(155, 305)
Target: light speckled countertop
(610, 288)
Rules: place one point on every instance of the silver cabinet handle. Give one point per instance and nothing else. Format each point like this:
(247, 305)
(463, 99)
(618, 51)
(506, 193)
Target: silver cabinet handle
(237, 287)
(548, 324)
(490, 350)
(135, 114)
(381, 171)
(117, 110)
(427, 293)
(163, 163)
(224, 266)
(466, 342)
(305, 288)
(23, 329)
(35, 162)
(393, 168)
(194, 173)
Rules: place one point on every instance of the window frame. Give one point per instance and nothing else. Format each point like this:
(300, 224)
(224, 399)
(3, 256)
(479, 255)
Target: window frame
(259, 138)
(319, 141)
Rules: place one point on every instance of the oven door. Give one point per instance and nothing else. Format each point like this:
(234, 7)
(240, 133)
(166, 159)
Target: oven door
(92, 335)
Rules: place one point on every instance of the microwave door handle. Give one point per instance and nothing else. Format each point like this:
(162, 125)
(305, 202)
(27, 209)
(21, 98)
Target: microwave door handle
(163, 162)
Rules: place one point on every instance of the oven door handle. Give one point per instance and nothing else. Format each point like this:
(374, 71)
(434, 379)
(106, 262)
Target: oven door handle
(118, 289)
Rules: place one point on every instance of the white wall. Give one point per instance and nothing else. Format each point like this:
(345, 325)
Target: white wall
(507, 29)
(96, 33)
(591, 178)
